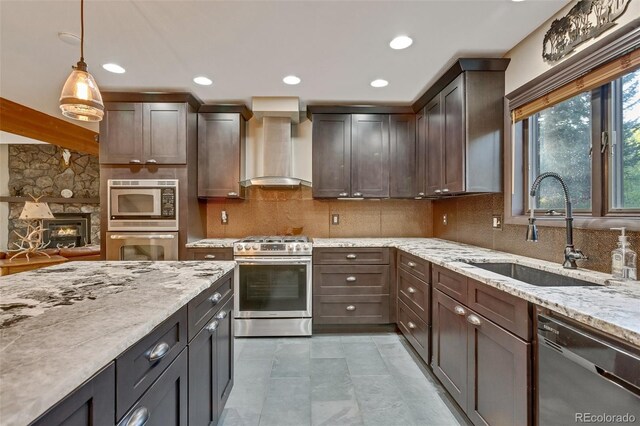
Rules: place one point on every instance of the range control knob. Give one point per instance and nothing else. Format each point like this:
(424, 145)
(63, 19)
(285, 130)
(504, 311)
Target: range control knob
(289, 247)
(256, 247)
(296, 247)
(239, 247)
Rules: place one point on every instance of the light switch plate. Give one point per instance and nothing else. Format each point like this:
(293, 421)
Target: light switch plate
(496, 221)
(335, 219)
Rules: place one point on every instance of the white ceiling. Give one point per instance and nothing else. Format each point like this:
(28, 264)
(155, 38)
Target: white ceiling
(247, 47)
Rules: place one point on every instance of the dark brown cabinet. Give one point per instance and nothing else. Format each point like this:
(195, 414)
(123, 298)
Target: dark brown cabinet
(93, 404)
(144, 133)
(403, 156)
(370, 155)
(331, 153)
(433, 146)
(421, 154)
(221, 154)
(222, 253)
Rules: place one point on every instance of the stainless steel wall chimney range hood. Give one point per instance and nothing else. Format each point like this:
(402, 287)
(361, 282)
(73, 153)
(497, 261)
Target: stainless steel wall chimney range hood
(277, 115)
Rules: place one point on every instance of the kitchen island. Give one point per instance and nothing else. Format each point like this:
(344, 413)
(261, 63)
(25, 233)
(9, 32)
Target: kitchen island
(63, 324)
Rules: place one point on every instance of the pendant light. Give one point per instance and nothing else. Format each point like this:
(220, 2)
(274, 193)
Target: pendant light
(80, 98)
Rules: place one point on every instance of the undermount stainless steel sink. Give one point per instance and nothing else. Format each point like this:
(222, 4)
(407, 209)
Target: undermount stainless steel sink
(532, 276)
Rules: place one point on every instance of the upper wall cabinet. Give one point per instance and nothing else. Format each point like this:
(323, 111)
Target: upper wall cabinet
(370, 155)
(135, 131)
(403, 157)
(331, 154)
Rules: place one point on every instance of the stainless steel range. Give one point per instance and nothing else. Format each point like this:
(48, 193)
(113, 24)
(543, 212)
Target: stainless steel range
(273, 286)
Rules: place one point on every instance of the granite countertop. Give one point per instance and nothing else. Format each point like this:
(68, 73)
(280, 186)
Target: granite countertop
(213, 243)
(61, 325)
(612, 307)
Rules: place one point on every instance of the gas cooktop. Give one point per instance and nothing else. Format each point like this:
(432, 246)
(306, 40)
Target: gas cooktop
(276, 245)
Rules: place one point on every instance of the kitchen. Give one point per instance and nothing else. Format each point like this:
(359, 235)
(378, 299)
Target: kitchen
(360, 226)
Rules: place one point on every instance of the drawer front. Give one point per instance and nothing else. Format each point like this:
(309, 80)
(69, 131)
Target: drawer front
(415, 294)
(506, 310)
(415, 330)
(356, 279)
(450, 283)
(210, 253)
(351, 309)
(142, 364)
(415, 265)
(165, 403)
(351, 256)
(204, 306)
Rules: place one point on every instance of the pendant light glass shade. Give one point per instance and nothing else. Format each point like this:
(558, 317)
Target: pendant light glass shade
(80, 98)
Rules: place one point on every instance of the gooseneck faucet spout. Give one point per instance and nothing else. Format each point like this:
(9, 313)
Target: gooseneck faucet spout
(570, 253)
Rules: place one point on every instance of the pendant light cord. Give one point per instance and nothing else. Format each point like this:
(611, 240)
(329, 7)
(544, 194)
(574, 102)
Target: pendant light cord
(82, 30)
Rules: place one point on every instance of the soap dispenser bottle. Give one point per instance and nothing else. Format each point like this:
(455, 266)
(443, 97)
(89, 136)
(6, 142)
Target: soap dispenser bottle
(623, 259)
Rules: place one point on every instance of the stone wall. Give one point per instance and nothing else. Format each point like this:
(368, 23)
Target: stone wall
(41, 170)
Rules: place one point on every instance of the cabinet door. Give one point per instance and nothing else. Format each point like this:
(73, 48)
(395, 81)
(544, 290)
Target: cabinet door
(421, 154)
(93, 404)
(219, 154)
(449, 341)
(498, 367)
(433, 134)
(164, 133)
(203, 379)
(224, 354)
(121, 133)
(331, 153)
(165, 403)
(454, 136)
(370, 155)
(403, 158)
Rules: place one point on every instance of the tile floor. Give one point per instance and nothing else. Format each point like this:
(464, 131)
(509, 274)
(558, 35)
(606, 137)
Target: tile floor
(365, 379)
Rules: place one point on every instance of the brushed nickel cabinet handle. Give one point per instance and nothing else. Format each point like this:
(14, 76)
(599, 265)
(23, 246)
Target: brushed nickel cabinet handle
(215, 298)
(343, 194)
(357, 194)
(210, 256)
(474, 320)
(351, 308)
(420, 194)
(222, 315)
(411, 264)
(411, 290)
(232, 194)
(151, 161)
(139, 417)
(158, 352)
(445, 190)
(213, 326)
(351, 279)
(459, 310)
(135, 161)
(352, 256)
(437, 191)
(411, 325)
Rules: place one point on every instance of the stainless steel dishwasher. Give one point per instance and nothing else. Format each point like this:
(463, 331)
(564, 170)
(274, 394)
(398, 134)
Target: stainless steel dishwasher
(583, 378)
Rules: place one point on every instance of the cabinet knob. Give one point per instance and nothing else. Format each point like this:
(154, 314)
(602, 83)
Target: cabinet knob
(411, 264)
(459, 310)
(445, 190)
(158, 352)
(215, 298)
(420, 194)
(411, 290)
(232, 194)
(213, 326)
(343, 194)
(351, 279)
(357, 194)
(139, 417)
(411, 325)
(222, 315)
(209, 256)
(151, 161)
(351, 308)
(437, 191)
(474, 320)
(134, 161)
(352, 256)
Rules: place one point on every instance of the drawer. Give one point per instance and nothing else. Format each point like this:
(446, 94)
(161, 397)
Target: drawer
(350, 309)
(351, 256)
(450, 283)
(223, 253)
(139, 367)
(416, 294)
(165, 403)
(204, 306)
(504, 309)
(356, 279)
(415, 265)
(415, 330)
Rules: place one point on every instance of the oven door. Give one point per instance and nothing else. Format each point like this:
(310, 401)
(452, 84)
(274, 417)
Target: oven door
(273, 287)
(135, 202)
(142, 246)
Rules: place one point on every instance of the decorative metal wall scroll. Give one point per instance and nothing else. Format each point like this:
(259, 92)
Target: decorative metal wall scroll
(586, 20)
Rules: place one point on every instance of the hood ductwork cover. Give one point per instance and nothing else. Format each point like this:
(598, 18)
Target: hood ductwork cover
(277, 115)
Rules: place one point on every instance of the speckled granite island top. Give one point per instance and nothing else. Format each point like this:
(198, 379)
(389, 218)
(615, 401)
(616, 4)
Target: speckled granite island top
(213, 243)
(613, 307)
(61, 325)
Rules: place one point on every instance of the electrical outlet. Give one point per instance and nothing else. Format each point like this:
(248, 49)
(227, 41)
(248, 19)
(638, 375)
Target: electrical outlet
(224, 217)
(445, 219)
(335, 219)
(496, 222)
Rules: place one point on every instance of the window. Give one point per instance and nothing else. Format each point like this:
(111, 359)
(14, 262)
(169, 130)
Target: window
(625, 143)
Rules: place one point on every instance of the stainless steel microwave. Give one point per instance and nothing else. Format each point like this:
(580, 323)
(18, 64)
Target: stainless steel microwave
(142, 204)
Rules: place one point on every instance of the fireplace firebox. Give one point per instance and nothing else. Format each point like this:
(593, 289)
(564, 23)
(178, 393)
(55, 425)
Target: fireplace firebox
(67, 230)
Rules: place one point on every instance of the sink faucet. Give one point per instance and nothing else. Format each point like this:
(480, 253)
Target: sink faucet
(570, 253)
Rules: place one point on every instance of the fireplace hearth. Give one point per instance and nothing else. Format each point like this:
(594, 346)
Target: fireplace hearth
(67, 230)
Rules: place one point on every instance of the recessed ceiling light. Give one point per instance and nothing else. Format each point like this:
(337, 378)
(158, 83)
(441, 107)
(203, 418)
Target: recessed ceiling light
(379, 83)
(291, 79)
(401, 42)
(69, 38)
(203, 81)
(517, 1)
(114, 68)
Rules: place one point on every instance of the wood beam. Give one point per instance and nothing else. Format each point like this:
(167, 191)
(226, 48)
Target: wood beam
(24, 121)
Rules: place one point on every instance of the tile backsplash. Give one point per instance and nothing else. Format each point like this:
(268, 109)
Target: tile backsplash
(280, 211)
